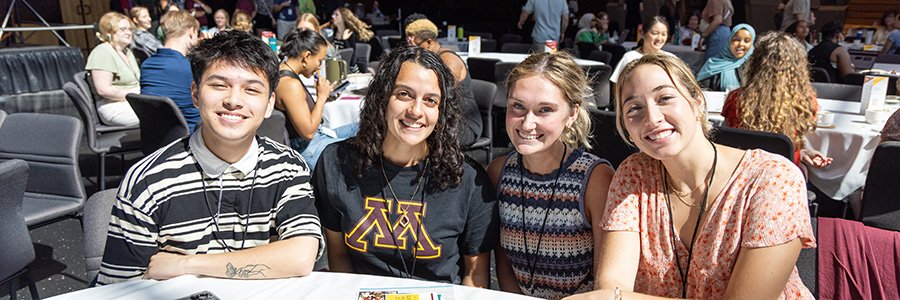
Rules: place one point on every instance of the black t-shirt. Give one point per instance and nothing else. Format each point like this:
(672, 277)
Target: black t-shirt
(458, 221)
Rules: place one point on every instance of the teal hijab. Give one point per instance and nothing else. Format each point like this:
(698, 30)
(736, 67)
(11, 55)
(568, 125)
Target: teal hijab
(725, 62)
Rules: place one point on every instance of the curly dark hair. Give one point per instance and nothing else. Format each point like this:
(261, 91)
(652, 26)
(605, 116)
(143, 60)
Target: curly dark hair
(444, 153)
(236, 48)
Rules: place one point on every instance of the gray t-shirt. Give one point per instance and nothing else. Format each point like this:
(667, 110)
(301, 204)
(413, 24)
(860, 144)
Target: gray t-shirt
(548, 18)
(795, 7)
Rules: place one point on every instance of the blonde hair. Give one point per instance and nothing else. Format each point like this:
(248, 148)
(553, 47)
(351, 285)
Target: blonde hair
(177, 23)
(562, 71)
(309, 18)
(135, 11)
(227, 18)
(776, 93)
(108, 23)
(241, 21)
(422, 29)
(681, 77)
(354, 24)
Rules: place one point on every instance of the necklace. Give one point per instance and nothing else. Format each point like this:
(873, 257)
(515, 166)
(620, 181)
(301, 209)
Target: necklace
(681, 198)
(289, 67)
(685, 272)
(532, 257)
(404, 219)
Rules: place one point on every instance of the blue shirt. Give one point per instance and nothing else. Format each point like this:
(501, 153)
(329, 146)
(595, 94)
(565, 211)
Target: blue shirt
(893, 42)
(168, 74)
(288, 13)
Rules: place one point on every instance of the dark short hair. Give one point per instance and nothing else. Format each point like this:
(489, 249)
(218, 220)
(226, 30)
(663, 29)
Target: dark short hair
(236, 48)
(648, 23)
(302, 40)
(445, 156)
(831, 29)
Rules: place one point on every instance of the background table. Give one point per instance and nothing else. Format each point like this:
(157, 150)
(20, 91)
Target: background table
(517, 58)
(851, 142)
(318, 285)
(345, 109)
(694, 59)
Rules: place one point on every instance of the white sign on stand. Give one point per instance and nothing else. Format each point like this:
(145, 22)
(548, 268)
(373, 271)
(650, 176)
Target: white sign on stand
(474, 45)
(874, 92)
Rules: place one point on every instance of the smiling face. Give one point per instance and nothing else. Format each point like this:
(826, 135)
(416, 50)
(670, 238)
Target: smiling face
(221, 19)
(412, 109)
(604, 22)
(123, 34)
(659, 120)
(741, 42)
(536, 115)
(655, 38)
(143, 20)
(233, 102)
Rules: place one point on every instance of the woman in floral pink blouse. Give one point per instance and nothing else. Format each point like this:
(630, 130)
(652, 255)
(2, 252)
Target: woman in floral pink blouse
(687, 218)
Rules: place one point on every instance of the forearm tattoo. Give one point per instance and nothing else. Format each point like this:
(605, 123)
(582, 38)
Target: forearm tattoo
(246, 271)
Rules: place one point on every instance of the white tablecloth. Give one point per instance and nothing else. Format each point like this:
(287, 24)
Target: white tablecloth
(517, 58)
(851, 143)
(318, 285)
(345, 110)
(694, 59)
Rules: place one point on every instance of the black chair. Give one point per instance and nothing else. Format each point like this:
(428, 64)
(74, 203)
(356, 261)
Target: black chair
(837, 91)
(363, 51)
(617, 51)
(860, 79)
(501, 71)
(488, 45)
(601, 56)
(386, 32)
(396, 42)
(17, 252)
(509, 38)
(481, 68)
(751, 139)
(274, 128)
(101, 139)
(161, 121)
(808, 263)
(483, 35)
(95, 224)
(599, 76)
(605, 139)
(585, 48)
(881, 201)
(520, 48)
(817, 74)
(484, 96)
(49, 144)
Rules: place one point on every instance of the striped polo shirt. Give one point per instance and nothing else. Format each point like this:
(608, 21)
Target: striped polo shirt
(183, 199)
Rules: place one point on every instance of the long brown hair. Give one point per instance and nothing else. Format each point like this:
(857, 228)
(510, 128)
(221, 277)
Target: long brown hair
(353, 23)
(776, 93)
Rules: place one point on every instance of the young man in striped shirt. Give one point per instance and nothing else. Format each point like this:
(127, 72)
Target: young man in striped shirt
(222, 202)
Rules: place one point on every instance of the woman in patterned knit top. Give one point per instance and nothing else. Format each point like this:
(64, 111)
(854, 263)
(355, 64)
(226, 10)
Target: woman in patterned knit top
(551, 192)
(687, 218)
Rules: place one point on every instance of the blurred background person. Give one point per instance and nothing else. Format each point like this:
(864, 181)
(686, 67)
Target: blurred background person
(830, 55)
(800, 31)
(168, 73)
(143, 40)
(222, 22)
(717, 14)
(692, 28)
(242, 21)
(308, 21)
(114, 70)
(285, 16)
(886, 24)
(723, 71)
(654, 37)
(199, 10)
(593, 29)
(348, 30)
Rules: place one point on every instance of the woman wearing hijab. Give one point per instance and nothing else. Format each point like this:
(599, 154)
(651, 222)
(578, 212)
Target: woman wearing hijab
(722, 72)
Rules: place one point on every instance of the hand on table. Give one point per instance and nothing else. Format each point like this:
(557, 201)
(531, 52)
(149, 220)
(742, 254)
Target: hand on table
(166, 265)
(814, 158)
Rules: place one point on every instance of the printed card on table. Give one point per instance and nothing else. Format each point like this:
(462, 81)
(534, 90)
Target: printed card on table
(474, 45)
(874, 92)
(440, 292)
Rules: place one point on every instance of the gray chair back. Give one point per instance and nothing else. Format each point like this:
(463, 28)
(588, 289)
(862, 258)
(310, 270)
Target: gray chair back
(363, 52)
(817, 74)
(774, 143)
(881, 201)
(481, 68)
(520, 48)
(509, 38)
(501, 71)
(601, 56)
(49, 144)
(837, 91)
(161, 121)
(17, 252)
(346, 54)
(808, 263)
(95, 223)
(488, 45)
(274, 128)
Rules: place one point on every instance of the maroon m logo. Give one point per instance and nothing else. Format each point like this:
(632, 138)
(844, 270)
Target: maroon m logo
(408, 220)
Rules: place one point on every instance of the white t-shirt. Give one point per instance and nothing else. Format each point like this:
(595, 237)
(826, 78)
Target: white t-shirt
(627, 58)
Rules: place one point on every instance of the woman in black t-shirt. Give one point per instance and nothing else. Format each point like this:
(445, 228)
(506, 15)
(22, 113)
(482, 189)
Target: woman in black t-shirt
(400, 199)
